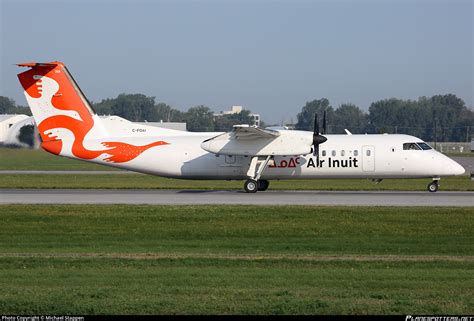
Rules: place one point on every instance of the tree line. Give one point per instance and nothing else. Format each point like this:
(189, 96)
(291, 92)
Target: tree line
(8, 106)
(141, 108)
(138, 107)
(436, 118)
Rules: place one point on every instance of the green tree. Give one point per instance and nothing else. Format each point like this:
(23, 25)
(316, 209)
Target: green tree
(465, 127)
(306, 116)
(225, 123)
(394, 116)
(139, 107)
(104, 107)
(200, 119)
(348, 116)
(418, 119)
(168, 114)
(441, 117)
(136, 107)
(8, 106)
(382, 115)
(447, 111)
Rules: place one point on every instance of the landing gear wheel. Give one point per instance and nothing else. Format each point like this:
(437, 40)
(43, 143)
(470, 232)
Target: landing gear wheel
(433, 186)
(251, 186)
(263, 185)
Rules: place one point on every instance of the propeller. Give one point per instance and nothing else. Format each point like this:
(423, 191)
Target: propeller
(317, 137)
(324, 123)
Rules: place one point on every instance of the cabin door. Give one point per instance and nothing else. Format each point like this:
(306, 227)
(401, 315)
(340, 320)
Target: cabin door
(230, 165)
(368, 158)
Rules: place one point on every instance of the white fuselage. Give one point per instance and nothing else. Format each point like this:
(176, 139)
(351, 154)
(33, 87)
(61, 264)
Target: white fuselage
(341, 156)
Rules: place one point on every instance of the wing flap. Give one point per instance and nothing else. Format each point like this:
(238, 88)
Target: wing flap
(252, 141)
(246, 131)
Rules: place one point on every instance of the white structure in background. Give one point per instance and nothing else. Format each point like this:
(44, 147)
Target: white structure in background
(160, 124)
(167, 125)
(10, 126)
(238, 109)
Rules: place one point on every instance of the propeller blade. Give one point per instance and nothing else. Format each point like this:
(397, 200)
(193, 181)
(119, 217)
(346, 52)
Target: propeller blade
(316, 125)
(317, 137)
(324, 123)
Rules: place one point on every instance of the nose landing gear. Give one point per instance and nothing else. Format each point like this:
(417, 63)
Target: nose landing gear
(433, 186)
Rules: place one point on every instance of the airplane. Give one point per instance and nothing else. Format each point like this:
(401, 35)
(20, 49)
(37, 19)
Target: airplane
(69, 127)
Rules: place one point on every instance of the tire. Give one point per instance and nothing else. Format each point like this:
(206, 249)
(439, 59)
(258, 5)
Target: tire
(263, 185)
(433, 187)
(251, 186)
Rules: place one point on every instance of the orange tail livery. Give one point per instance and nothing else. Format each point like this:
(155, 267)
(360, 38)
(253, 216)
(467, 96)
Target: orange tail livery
(68, 124)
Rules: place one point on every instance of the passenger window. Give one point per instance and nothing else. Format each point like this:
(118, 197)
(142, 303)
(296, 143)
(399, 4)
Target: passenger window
(333, 153)
(356, 152)
(367, 152)
(343, 152)
(324, 153)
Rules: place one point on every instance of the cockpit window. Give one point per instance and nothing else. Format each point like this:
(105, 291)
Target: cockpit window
(424, 146)
(416, 146)
(411, 146)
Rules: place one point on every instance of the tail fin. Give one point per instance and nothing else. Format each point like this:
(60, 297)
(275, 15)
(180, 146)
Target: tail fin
(57, 103)
(66, 120)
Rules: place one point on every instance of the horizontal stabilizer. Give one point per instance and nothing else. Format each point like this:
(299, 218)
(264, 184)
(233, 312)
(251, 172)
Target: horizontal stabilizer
(39, 64)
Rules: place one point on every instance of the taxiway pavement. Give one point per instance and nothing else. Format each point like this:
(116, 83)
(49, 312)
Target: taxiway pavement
(193, 197)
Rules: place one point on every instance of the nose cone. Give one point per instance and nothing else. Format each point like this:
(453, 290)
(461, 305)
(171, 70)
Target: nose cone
(456, 169)
(450, 167)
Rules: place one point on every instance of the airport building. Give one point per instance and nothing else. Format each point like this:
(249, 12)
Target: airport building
(239, 109)
(161, 124)
(167, 125)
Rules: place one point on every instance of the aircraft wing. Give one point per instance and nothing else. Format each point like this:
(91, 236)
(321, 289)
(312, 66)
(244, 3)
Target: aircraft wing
(252, 141)
(250, 132)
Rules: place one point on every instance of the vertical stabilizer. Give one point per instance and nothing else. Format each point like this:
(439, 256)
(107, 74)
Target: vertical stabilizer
(60, 108)
(66, 121)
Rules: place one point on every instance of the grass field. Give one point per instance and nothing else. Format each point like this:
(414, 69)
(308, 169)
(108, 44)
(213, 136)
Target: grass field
(235, 259)
(38, 159)
(134, 181)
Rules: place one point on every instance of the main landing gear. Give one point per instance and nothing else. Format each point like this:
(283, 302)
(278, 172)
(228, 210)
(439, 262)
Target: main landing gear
(252, 186)
(256, 168)
(433, 186)
(263, 185)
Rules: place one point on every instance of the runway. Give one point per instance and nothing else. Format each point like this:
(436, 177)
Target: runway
(194, 197)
